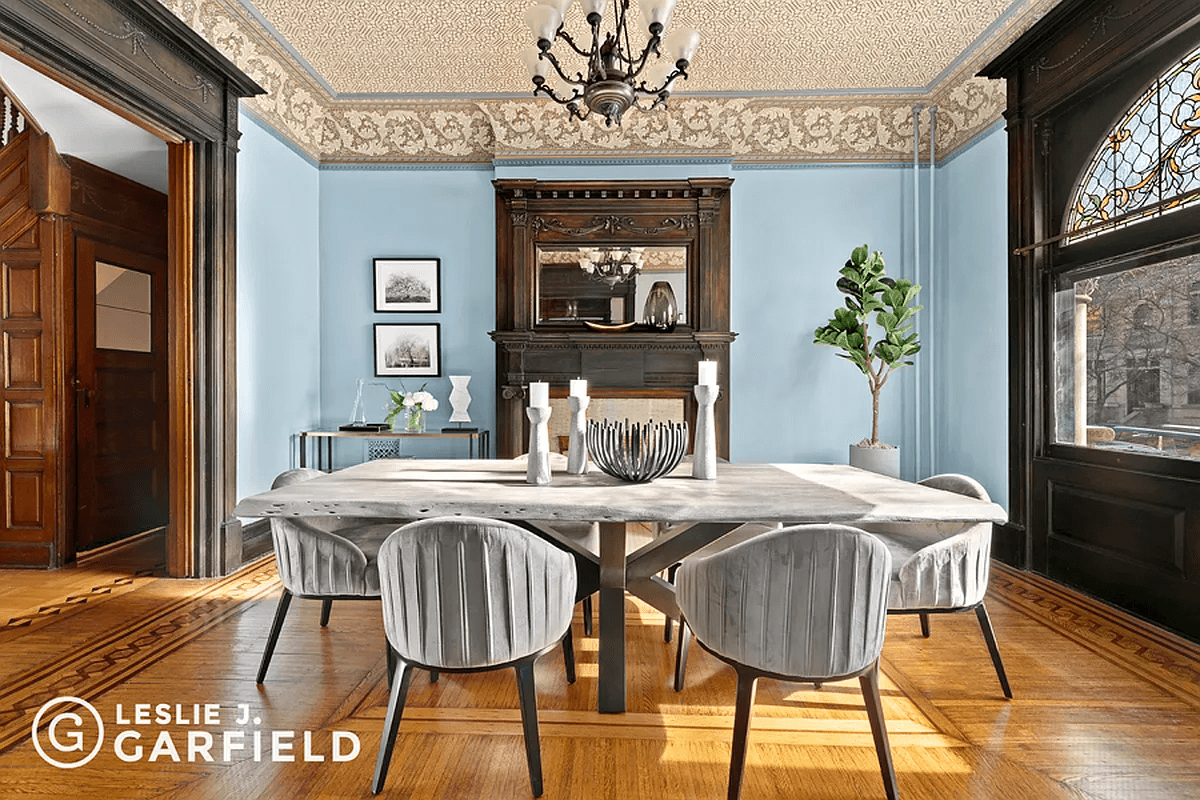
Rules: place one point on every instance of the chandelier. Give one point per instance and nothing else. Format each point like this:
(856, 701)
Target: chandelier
(611, 265)
(617, 75)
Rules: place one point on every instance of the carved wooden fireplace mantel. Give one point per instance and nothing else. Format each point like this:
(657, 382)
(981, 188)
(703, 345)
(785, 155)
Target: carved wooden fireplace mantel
(544, 300)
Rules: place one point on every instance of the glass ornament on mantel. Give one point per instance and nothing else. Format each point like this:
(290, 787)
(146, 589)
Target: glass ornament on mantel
(661, 311)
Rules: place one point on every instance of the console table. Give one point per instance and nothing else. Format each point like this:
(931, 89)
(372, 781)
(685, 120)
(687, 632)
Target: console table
(478, 442)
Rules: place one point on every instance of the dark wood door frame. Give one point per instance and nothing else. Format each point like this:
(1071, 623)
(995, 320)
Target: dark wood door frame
(168, 79)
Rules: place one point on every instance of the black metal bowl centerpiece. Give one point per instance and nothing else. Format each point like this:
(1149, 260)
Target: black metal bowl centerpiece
(637, 453)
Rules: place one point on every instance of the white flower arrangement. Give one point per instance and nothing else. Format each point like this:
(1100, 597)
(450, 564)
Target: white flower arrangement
(415, 403)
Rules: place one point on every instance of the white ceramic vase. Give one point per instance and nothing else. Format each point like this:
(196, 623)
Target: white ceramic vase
(460, 398)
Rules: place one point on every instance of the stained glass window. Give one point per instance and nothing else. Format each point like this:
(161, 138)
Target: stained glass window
(1150, 162)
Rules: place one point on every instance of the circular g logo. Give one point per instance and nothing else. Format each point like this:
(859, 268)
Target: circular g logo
(66, 733)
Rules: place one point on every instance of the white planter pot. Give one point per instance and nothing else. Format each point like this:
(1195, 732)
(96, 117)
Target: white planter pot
(884, 460)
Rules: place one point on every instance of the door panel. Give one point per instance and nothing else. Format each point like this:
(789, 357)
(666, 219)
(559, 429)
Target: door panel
(1130, 537)
(121, 392)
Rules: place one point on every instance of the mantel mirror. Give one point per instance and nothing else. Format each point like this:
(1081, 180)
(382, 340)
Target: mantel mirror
(606, 284)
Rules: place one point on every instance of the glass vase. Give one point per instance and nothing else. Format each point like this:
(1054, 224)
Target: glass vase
(413, 420)
(661, 311)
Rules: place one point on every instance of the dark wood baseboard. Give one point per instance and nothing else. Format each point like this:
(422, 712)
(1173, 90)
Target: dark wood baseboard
(256, 540)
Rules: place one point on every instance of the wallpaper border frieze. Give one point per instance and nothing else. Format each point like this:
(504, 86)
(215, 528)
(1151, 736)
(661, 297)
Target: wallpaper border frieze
(765, 131)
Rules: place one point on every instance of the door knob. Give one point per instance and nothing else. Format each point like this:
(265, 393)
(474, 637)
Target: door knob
(84, 393)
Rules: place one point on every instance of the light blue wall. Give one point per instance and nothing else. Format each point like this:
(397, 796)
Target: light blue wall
(971, 316)
(793, 229)
(443, 213)
(278, 338)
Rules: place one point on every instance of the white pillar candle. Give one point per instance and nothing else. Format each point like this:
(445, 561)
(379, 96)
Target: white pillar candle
(578, 387)
(539, 394)
(708, 373)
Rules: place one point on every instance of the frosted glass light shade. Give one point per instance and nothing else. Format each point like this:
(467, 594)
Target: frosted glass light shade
(593, 7)
(560, 6)
(681, 44)
(538, 67)
(543, 21)
(657, 11)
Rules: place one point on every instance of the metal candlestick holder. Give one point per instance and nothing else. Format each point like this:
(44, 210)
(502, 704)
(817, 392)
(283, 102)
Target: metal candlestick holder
(704, 459)
(577, 452)
(537, 469)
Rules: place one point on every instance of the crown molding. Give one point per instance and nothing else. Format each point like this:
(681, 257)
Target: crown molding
(763, 131)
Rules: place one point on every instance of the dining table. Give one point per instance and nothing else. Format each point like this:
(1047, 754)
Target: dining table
(698, 512)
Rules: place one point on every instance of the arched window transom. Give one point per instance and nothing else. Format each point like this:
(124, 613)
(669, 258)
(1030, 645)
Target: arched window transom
(1149, 163)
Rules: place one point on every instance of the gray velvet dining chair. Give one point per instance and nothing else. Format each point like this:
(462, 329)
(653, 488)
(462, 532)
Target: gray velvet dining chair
(465, 594)
(807, 603)
(583, 534)
(322, 558)
(942, 568)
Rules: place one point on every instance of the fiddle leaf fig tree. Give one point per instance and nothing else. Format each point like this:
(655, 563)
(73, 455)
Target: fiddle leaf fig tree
(871, 294)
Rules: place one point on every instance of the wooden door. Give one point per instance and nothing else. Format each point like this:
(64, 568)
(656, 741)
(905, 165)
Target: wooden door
(121, 392)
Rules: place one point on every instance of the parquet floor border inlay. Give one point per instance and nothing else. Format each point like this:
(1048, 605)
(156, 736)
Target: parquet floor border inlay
(1169, 661)
(89, 669)
(73, 601)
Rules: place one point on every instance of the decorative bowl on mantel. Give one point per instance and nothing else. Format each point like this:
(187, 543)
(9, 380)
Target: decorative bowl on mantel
(600, 326)
(637, 453)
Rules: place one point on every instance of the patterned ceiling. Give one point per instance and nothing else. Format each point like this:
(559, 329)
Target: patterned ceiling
(774, 81)
(469, 47)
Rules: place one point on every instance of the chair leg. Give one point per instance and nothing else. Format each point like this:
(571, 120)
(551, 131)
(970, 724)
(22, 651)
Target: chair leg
(924, 624)
(433, 676)
(529, 722)
(989, 636)
(587, 615)
(670, 624)
(402, 677)
(326, 607)
(747, 683)
(568, 647)
(281, 610)
(681, 655)
(391, 662)
(869, 681)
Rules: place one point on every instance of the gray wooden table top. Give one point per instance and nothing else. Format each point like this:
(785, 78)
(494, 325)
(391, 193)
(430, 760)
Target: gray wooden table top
(412, 488)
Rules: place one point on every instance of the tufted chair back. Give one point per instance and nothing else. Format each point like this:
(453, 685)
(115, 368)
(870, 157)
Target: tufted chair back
(465, 592)
(313, 558)
(939, 565)
(808, 601)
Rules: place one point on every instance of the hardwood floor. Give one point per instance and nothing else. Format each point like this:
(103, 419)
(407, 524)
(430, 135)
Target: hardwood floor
(1105, 706)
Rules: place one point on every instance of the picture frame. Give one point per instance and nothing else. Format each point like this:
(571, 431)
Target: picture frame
(408, 285)
(405, 350)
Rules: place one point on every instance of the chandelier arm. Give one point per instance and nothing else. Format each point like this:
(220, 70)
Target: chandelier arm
(566, 37)
(576, 81)
(678, 73)
(547, 90)
(651, 47)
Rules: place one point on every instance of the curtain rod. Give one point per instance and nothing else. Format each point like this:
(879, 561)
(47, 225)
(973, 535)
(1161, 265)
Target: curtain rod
(1177, 200)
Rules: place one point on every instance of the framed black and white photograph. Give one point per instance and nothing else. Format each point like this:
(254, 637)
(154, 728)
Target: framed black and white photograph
(402, 351)
(408, 284)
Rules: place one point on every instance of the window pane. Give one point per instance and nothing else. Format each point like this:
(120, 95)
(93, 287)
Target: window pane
(1151, 155)
(122, 309)
(1127, 361)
